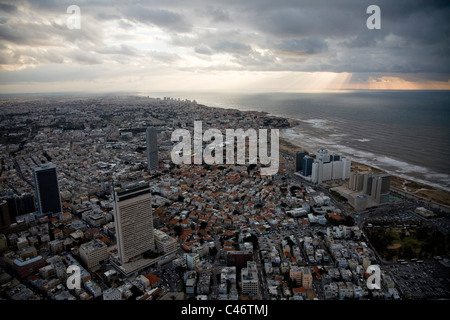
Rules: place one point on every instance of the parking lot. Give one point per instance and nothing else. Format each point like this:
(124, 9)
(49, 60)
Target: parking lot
(427, 280)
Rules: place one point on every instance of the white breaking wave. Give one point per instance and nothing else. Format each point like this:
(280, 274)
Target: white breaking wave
(403, 167)
(389, 165)
(318, 123)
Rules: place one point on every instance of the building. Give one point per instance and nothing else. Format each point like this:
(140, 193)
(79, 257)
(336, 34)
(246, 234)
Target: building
(190, 286)
(133, 221)
(366, 189)
(375, 186)
(152, 148)
(93, 288)
(192, 259)
(112, 294)
(5, 220)
(239, 258)
(296, 275)
(93, 253)
(26, 267)
(307, 278)
(380, 188)
(360, 202)
(164, 243)
(356, 181)
(3, 242)
(299, 160)
(325, 167)
(47, 189)
(22, 205)
(307, 166)
(249, 279)
(56, 246)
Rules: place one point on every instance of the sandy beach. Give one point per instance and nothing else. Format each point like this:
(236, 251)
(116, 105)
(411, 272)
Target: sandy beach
(422, 191)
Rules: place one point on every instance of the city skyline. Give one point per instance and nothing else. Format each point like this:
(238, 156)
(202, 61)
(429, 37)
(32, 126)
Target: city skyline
(101, 200)
(221, 46)
(218, 232)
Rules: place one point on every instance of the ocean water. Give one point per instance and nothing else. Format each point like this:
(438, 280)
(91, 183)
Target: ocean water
(406, 133)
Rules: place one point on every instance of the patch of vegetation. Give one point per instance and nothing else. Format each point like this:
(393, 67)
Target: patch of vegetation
(424, 242)
(336, 196)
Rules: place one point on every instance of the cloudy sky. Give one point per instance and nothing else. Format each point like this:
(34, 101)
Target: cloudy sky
(246, 45)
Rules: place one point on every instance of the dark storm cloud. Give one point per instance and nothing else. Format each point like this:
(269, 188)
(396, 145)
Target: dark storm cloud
(202, 49)
(164, 19)
(217, 14)
(122, 49)
(232, 47)
(8, 8)
(305, 46)
(257, 35)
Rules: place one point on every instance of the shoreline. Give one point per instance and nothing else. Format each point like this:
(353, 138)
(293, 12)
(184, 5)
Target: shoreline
(399, 184)
(419, 190)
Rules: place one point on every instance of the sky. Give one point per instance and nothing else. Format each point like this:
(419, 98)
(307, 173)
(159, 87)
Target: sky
(247, 45)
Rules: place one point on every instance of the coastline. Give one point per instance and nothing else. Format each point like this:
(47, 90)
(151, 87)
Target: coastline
(422, 192)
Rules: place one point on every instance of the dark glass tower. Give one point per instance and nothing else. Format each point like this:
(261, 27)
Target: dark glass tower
(307, 166)
(152, 148)
(47, 189)
(299, 160)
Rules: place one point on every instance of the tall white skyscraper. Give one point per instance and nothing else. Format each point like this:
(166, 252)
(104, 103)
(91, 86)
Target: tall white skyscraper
(328, 167)
(133, 222)
(152, 148)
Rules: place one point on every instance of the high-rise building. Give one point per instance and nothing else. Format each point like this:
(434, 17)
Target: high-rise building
(299, 160)
(374, 189)
(381, 188)
(335, 157)
(152, 148)
(346, 167)
(307, 166)
(47, 189)
(5, 220)
(356, 181)
(133, 221)
(327, 167)
(367, 184)
(322, 154)
(24, 204)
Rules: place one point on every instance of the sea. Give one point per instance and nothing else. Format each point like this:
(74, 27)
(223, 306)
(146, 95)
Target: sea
(404, 133)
